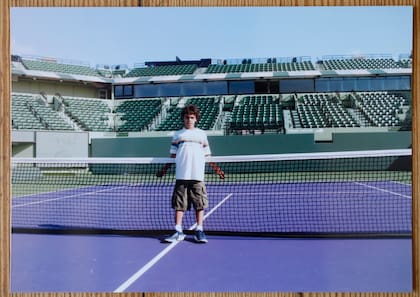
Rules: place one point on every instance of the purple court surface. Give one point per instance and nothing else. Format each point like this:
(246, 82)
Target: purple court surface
(304, 207)
(105, 263)
(117, 263)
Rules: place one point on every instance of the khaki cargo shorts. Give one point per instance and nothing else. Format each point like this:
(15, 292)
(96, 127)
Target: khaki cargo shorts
(187, 192)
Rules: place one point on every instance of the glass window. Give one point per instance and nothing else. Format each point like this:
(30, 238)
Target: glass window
(335, 84)
(262, 87)
(173, 89)
(397, 83)
(274, 86)
(363, 84)
(216, 88)
(241, 87)
(391, 83)
(377, 83)
(296, 85)
(128, 91)
(149, 90)
(118, 91)
(322, 85)
(349, 84)
(192, 89)
(405, 83)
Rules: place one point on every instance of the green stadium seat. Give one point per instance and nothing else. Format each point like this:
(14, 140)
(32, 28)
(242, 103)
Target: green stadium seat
(60, 67)
(138, 114)
(31, 112)
(89, 113)
(162, 70)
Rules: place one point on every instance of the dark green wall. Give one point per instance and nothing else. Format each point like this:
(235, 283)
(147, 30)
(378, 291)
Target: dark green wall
(253, 144)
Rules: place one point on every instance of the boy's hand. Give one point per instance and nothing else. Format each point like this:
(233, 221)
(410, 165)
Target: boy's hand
(220, 173)
(161, 172)
(217, 169)
(165, 168)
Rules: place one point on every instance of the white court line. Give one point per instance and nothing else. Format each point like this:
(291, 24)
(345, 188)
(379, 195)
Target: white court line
(383, 190)
(31, 195)
(65, 197)
(303, 193)
(159, 256)
(89, 186)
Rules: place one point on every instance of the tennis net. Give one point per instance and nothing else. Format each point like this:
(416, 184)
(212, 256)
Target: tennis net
(363, 193)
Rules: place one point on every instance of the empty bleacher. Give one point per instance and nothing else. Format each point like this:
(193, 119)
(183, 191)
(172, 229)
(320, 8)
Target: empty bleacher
(22, 116)
(162, 70)
(138, 114)
(406, 63)
(59, 67)
(209, 111)
(256, 112)
(364, 109)
(173, 120)
(381, 109)
(241, 114)
(90, 114)
(322, 110)
(360, 63)
(33, 113)
(261, 67)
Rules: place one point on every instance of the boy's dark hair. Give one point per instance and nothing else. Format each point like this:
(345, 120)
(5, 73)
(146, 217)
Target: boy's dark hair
(190, 109)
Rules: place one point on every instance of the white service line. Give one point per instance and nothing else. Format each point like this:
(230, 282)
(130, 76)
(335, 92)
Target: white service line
(159, 256)
(383, 190)
(146, 267)
(66, 197)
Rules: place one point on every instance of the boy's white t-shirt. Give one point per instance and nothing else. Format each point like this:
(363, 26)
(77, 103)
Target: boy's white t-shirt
(191, 148)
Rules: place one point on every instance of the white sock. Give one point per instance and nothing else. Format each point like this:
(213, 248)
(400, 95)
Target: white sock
(178, 228)
(199, 228)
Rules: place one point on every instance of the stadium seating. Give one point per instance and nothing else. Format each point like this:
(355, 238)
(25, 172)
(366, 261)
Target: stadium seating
(380, 109)
(60, 68)
(262, 67)
(359, 63)
(376, 109)
(256, 112)
(406, 63)
(90, 114)
(22, 116)
(172, 122)
(162, 70)
(241, 114)
(209, 112)
(31, 112)
(321, 111)
(137, 115)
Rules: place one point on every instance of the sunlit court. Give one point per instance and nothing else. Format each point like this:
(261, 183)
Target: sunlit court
(288, 142)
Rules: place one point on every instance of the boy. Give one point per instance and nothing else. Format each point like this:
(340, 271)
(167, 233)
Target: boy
(189, 147)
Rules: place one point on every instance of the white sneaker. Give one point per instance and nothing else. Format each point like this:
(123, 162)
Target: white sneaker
(177, 236)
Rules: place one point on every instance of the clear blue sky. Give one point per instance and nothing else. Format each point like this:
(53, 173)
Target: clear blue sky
(135, 35)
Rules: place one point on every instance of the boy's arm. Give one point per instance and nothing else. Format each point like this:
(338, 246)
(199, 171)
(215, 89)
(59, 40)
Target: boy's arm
(217, 169)
(165, 168)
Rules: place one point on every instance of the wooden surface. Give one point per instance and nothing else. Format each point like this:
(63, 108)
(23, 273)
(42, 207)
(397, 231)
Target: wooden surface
(5, 135)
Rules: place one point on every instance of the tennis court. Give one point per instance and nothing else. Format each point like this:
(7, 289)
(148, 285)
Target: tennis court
(104, 263)
(299, 223)
(326, 210)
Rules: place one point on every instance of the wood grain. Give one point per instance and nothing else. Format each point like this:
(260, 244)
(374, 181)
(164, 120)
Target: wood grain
(5, 85)
(205, 3)
(5, 133)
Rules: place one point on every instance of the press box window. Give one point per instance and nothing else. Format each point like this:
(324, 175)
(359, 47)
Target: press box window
(128, 91)
(123, 91)
(118, 91)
